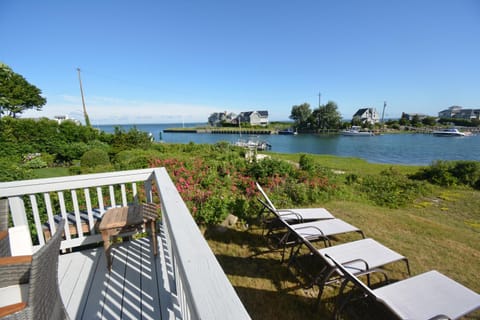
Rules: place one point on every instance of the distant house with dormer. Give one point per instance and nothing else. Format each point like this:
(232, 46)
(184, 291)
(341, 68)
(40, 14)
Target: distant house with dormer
(457, 112)
(217, 118)
(254, 118)
(367, 116)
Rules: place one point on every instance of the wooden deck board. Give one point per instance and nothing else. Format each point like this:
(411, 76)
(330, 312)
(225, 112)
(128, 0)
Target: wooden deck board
(138, 287)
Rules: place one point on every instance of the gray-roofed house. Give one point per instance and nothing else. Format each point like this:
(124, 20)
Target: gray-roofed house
(458, 112)
(254, 118)
(367, 115)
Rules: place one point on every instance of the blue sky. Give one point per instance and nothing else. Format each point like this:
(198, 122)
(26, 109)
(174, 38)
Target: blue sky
(173, 61)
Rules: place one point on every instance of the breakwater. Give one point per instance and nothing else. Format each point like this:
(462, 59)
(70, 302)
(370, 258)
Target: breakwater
(221, 131)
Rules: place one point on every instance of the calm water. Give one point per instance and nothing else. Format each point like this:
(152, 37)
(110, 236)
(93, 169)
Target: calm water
(412, 149)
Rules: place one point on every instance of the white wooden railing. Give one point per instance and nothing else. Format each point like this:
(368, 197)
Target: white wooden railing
(202, 288)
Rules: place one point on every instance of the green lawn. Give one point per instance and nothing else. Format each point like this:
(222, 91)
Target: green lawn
(440, 232)
(51, 172)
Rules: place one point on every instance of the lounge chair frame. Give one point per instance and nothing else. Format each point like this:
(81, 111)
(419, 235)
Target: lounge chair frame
(430, 295)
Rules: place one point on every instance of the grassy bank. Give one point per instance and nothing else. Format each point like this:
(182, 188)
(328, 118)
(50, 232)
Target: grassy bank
(439, 230)
(438, 233)
(436, 228)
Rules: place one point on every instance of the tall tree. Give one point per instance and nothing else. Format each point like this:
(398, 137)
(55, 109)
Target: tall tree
(300, 114)
(17, 94)
(328, 116)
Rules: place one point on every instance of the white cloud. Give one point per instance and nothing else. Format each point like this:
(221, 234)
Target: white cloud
(108, 110)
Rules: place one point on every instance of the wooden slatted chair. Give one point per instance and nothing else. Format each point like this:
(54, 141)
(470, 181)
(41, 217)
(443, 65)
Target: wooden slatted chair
(30, 283)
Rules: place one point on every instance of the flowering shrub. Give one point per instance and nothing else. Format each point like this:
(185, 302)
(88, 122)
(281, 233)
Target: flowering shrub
(212, 186)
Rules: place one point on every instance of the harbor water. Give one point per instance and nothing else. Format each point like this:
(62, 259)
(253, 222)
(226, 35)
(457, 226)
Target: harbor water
(409, 149)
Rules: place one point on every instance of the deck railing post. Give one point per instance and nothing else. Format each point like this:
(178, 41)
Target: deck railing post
(17, 208)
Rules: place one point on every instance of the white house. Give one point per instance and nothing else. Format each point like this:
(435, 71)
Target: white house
(254, 118)
(460, 113)
(367, 115)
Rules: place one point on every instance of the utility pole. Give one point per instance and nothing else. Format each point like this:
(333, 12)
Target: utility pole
(87, 120)
(383, 112)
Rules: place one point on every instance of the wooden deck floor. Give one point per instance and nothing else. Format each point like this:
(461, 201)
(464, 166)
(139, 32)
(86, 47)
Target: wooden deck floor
(138, 287)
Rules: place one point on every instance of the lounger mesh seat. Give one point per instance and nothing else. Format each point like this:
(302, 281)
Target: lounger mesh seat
(430, 295)
(295, 214)
(368, 251)
(324, 229)
(360, 257)
(427, 296)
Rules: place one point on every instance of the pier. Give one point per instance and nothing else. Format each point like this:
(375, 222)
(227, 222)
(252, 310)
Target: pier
(255, 131)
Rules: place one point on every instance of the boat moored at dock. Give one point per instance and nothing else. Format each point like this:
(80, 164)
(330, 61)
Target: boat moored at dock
(357, 132)
(450, 132)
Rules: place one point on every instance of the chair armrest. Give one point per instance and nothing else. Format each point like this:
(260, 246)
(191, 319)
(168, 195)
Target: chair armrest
(4, 244)
(7, 310)
(14, 270)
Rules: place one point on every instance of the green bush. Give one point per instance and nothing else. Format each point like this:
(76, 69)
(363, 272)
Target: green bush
(261, 170)
(213, 211)
(132, 139)
(307, 162)
(48, 159)
(391, 189)
(466, 172)
(67, 152)
(135, 159)
(93, 158)
(10, 170)
(35, 163)
(449, 173)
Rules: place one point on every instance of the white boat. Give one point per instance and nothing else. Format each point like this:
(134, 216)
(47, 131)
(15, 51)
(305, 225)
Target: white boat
(288, 131)
(356, 131)
(451, 132)
(253, 144)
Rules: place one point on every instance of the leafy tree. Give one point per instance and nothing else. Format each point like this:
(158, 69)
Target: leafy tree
(416, 121)
(134, 138)
(17, 94)
(404, 121)
(300, 114)
(357, 121)
(328, 116)
(429, 121)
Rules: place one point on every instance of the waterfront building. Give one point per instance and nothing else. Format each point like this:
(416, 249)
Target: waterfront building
(217, 118)
(254, 118)
(367, 115)
(458, 112)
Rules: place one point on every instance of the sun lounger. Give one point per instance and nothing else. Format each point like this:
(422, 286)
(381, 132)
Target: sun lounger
(320, 230)
(323, 230)
(360, 257)
(430, 295)
(297, 214)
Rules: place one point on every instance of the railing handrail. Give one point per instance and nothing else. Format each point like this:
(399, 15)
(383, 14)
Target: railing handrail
(25, 187)
(210, 292)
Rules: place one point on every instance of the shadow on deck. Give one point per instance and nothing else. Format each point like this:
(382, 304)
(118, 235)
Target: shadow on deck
(140, 285)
